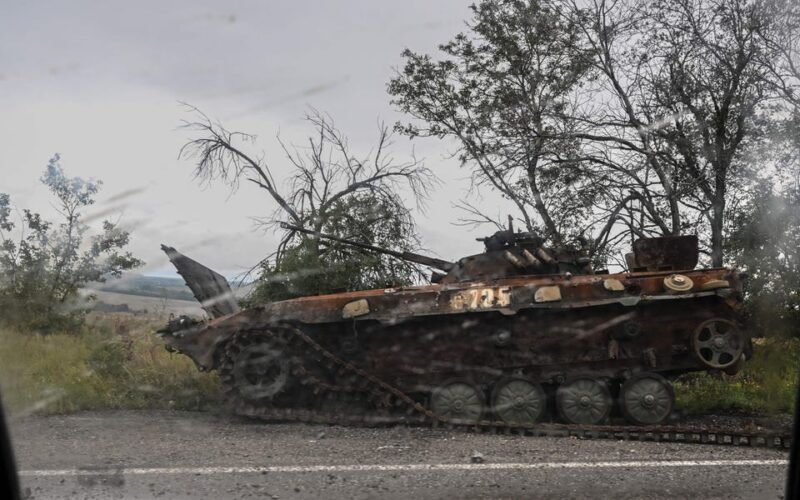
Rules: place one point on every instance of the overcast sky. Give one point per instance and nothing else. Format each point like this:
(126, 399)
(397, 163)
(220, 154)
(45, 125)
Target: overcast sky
(99, 83)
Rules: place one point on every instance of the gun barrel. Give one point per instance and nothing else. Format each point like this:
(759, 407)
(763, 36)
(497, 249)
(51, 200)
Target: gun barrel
(409, 256)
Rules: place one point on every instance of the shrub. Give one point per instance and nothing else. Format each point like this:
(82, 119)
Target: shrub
(44, 263)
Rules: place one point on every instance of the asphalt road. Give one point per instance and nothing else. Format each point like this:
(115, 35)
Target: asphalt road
(197, 455)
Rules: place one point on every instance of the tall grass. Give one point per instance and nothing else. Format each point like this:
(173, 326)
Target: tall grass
(116, 362)
(766, 385)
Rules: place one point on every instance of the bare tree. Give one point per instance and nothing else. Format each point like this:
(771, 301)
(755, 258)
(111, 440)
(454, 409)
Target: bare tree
(500, 92)
(782, 37)
(330, 189)
(689, 97)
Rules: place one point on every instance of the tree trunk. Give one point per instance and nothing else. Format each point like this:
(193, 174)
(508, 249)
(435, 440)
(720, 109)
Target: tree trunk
(716, 231)
(538, 202)
(61, 260)
(675, 215)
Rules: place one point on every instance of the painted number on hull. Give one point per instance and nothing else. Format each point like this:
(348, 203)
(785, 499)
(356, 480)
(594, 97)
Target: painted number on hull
(481, 298)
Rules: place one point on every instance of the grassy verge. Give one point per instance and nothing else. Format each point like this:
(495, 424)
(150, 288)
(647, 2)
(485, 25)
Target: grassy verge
(766, 385)
(115, 363)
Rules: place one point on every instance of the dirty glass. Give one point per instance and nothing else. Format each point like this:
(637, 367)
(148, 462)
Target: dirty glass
(515, 248)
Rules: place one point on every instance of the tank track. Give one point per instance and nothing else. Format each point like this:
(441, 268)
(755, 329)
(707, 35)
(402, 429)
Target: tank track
(394, 407)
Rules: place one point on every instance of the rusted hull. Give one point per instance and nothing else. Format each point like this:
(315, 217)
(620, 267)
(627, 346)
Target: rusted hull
(545, 345)
(456, 352)
(552, 323)
(496, 337)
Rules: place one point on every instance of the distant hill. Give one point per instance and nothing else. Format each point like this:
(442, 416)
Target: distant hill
(148, 286)
(137, 293)
(158, 287)
(118, 302)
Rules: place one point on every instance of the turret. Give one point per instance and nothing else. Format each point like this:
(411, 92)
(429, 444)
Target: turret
(507, 254)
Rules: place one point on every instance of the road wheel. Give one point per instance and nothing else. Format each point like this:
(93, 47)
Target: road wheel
(583, 401)
(718, 343)
(257, 367)
(518, 401)
(458, 401)
(646, 399)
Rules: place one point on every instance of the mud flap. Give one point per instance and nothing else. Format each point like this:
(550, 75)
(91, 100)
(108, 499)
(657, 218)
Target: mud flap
(210, 288)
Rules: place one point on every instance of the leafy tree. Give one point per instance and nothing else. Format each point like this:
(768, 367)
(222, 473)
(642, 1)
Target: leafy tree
(310, 266)
(44, 263)
(330, 190)
(501, 93)
(612, 120)
(765, 240)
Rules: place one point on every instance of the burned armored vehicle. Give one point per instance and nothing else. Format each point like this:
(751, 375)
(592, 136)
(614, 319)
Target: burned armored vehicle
(515, 335)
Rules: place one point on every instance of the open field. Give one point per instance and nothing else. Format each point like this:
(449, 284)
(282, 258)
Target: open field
(151, 305)
(132, 283)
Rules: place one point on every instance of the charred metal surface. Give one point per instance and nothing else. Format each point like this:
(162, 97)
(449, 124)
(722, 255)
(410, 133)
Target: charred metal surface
(507, 254)
(665, 253)
(495, 322)
(506, 296)
(210, 288)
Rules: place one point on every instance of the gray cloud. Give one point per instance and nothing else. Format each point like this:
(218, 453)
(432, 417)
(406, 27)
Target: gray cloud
(99, 82)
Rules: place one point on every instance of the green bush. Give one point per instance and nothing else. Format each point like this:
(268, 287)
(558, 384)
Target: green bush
(44, 263)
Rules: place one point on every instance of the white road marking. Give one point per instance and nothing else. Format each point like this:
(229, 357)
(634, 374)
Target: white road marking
(402, 467)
